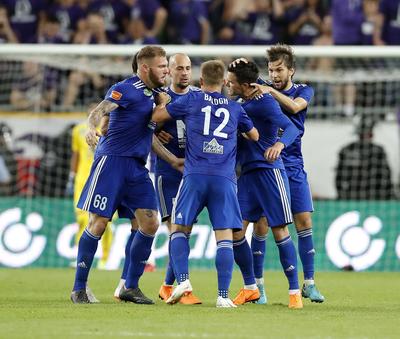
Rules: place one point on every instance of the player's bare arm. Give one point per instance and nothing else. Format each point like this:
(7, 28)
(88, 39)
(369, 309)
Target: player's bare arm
(272, 153)
(252, 134)
(101, 110)
(291, 105)
(166, 155)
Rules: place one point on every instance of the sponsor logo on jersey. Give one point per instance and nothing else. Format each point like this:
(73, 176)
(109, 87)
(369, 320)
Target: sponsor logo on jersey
(213, 147)
(116, 95)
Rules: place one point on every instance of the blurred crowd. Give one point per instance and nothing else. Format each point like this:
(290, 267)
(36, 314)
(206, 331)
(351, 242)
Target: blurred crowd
(257, 22)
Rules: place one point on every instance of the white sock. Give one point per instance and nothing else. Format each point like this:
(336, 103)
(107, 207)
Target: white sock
(309, 282)
(119, 287)
(250, 287)
(291, 292)
(260, 281)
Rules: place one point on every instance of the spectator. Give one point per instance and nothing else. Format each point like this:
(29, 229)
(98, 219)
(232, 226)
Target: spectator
(6, 33)
(154, 16)
(347, 16)
(8, 164)
(68, 15)
(371, 28)
(35, 89)
(390, 10)
(136, 34)
(363, 172)
(26, 18)
(188, 22)
(306, 22)
(115, 14)
(85, 85)
(50, 32)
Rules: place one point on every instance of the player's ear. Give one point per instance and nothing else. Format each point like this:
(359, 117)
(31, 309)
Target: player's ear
(201, 81)
(291, 72)
(225, 82)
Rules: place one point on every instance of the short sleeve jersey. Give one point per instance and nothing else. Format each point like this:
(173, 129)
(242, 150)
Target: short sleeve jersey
(267, 117)
(292, 155)
(130, 128)
(177, 145)
(212, 122)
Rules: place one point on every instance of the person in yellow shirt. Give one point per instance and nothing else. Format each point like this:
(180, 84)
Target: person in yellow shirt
(81, 162)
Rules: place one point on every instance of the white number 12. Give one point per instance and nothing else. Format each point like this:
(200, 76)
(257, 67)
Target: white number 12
(218, 131)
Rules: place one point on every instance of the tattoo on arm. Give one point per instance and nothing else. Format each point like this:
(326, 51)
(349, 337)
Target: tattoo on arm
(103, 108)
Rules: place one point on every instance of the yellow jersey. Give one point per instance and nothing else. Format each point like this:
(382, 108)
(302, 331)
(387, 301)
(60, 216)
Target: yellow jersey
(85, 161)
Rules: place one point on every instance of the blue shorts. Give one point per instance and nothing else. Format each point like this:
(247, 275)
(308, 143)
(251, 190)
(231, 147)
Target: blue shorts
(166, 188)
(117, 184)
(265, 192)
(216, 193)
(300, 192)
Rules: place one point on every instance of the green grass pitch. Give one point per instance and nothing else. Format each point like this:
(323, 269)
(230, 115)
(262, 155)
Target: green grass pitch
(34, 303)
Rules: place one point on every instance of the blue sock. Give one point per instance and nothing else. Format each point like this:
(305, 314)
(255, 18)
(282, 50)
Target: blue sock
(87, 248)
(306, 252)
(127, 254)
(244, 259)
(258, 250)
(169, 275)
(224, 265)
(139, 253)
(288, 257)
(179, 250)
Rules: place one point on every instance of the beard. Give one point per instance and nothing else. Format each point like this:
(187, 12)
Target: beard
(155, 80)
(182, 86)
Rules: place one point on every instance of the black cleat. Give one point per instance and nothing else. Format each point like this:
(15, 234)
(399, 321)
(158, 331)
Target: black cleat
(80, 297)
(134, 295)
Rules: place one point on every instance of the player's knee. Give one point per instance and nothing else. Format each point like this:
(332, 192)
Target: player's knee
(149, 227)
(238, 235)
(303, 221)
(97, 225)
(280, 232)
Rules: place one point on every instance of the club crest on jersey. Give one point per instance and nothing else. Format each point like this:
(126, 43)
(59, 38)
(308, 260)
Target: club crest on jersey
(213, 147)
(116, 95)
(147, 92)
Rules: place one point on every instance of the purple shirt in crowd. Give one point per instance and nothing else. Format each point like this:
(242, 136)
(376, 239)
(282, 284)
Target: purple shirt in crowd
(391, 27)
(114, 13)
(146, 10)
(186, 16)
(347, 16)
(24, 18)
(68, 18)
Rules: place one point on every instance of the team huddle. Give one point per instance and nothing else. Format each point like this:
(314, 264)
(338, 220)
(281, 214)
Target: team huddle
(257, 129)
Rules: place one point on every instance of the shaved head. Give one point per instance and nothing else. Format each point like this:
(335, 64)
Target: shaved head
(180, 70)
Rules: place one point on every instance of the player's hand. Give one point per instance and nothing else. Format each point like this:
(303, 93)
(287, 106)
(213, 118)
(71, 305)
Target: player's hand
(237, 61)
(178, 164)
(273, 153)
(162, 98)
(69, 188)
(92, 138)
(164, 137)
(105, 119)
(261, 89)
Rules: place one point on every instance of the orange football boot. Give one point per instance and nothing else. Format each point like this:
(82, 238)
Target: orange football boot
(165, 292)
(246, 296)
(295, 301)
(189, 299)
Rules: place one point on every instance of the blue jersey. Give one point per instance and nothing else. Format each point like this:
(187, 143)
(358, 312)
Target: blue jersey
(292, 155)
(211, 122)
(178, 144)
(267, 117)
(130, 131)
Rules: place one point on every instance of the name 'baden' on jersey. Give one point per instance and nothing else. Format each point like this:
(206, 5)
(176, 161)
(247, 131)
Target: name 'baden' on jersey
(267, 117)
(292, 154)
(177, 144)
(129, 133)
(211, 122)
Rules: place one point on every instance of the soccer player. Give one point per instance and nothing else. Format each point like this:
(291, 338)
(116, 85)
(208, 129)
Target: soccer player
(263, 188)
(81, 161)
(294, 100)
(209, 178)
(168, 178)
(118, 178)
